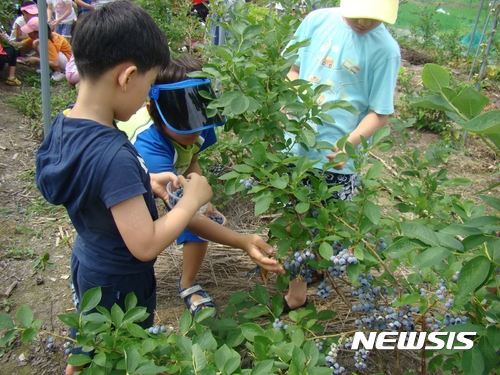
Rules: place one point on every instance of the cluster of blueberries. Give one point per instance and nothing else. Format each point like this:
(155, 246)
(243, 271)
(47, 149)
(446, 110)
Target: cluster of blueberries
(249, 182)
(279, 324)
(296, 264)
(154, 330)
(217, 219)
(175, 195)
(360, 356)
(217, 169)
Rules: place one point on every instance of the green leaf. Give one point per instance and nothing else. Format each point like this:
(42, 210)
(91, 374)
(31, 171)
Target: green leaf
(430, 257)
(204, 314)
(309, 137)
(493, 334)
(185, 322)
(302, 208)
(132, 358)
(135, 314)
(6, 322)
(130, 301)
(432, 102)
(200, 361)
(435, 77)
(279, 183)
(435, 363)
(401, 247)
(237, 297)
(90, 299)
(372, 212)
(221, 356)
(470, 102)
(24, 316)
(79, 360)
(259, 153)
(262, 205)
(491, 201)
(490, 356)
(297, 338)
(28, 335)
(136, 330)
(72, 320)
(243, 168)
(420, 232)
(472, 275)
(250, 330)
(326, 250)
(7, 337)
(380, 134)
(256, 311)
(374, 170)
(239, 104)
(251, 31)
(263, 368)
(472, 362)
(486, 123)
(260, 294)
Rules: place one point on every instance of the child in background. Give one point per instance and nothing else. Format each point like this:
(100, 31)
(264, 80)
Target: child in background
(86, 164)
(8, 56)
(71, 71)
(63, 16)
(59, 49)
(84, 6)
(171, 141)
(353, 52)
(28, 10)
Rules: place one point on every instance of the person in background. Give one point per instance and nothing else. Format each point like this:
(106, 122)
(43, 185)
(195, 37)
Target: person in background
(200, 9)
(61, 15)
(8, 60)
(71, 70)
(84, 6)
(28, 10)
(59, 49)
(353, 52)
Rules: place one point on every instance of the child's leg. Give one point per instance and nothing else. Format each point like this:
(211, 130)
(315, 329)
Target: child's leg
(296, 296)
(193, 254)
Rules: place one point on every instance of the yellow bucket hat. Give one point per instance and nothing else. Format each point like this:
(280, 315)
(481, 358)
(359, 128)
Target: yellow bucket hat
(381, 10)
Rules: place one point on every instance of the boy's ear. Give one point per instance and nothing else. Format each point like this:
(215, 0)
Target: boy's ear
(148, 106)
(125, 76)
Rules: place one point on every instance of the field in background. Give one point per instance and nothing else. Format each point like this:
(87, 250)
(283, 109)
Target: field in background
(462, 15)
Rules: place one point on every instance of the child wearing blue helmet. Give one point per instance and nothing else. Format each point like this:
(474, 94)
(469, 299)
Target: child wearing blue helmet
(171, 141)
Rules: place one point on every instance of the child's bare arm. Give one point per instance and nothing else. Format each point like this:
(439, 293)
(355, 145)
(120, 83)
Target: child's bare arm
(293, 73)
(256, 248)
(146, 238)
(365, 128)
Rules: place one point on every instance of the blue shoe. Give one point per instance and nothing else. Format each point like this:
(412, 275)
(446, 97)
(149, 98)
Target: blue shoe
(195, 307)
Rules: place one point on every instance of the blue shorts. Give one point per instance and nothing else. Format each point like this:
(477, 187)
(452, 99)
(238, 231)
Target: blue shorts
(114, 290)
(186, 235)
(64, 29)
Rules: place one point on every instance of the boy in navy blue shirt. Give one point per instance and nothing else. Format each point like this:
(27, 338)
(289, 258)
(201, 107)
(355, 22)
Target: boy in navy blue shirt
(89, 166)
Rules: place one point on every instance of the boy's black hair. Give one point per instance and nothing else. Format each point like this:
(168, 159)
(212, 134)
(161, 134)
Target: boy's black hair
(176, 71)
(116, 33)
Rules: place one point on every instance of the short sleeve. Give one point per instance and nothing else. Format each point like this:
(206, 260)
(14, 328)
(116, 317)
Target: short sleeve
(383, 87)
(124, 178)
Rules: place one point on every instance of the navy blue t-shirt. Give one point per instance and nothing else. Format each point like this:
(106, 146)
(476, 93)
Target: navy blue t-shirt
(89, 167)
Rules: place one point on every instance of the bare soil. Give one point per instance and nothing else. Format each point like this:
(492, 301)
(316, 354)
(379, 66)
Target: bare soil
(31, 228)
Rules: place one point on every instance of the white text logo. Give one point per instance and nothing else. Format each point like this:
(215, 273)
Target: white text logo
(409, 341)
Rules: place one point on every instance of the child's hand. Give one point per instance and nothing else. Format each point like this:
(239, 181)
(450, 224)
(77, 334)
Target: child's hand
(197, 189)
(259, 251)
(332, 156)
(159, 183)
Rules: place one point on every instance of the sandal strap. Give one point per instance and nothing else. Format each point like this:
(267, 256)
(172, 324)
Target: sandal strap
(195, 304)
(189, 291)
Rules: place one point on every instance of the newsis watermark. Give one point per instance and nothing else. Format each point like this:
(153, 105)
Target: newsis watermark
(409, 341)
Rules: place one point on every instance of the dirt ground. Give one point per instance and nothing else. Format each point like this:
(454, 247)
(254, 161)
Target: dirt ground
(31, 228)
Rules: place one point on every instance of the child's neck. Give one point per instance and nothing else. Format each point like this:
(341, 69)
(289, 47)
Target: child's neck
(93, 104)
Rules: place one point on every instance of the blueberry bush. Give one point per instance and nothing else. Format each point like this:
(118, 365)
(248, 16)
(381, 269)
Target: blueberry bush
(428, 261)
